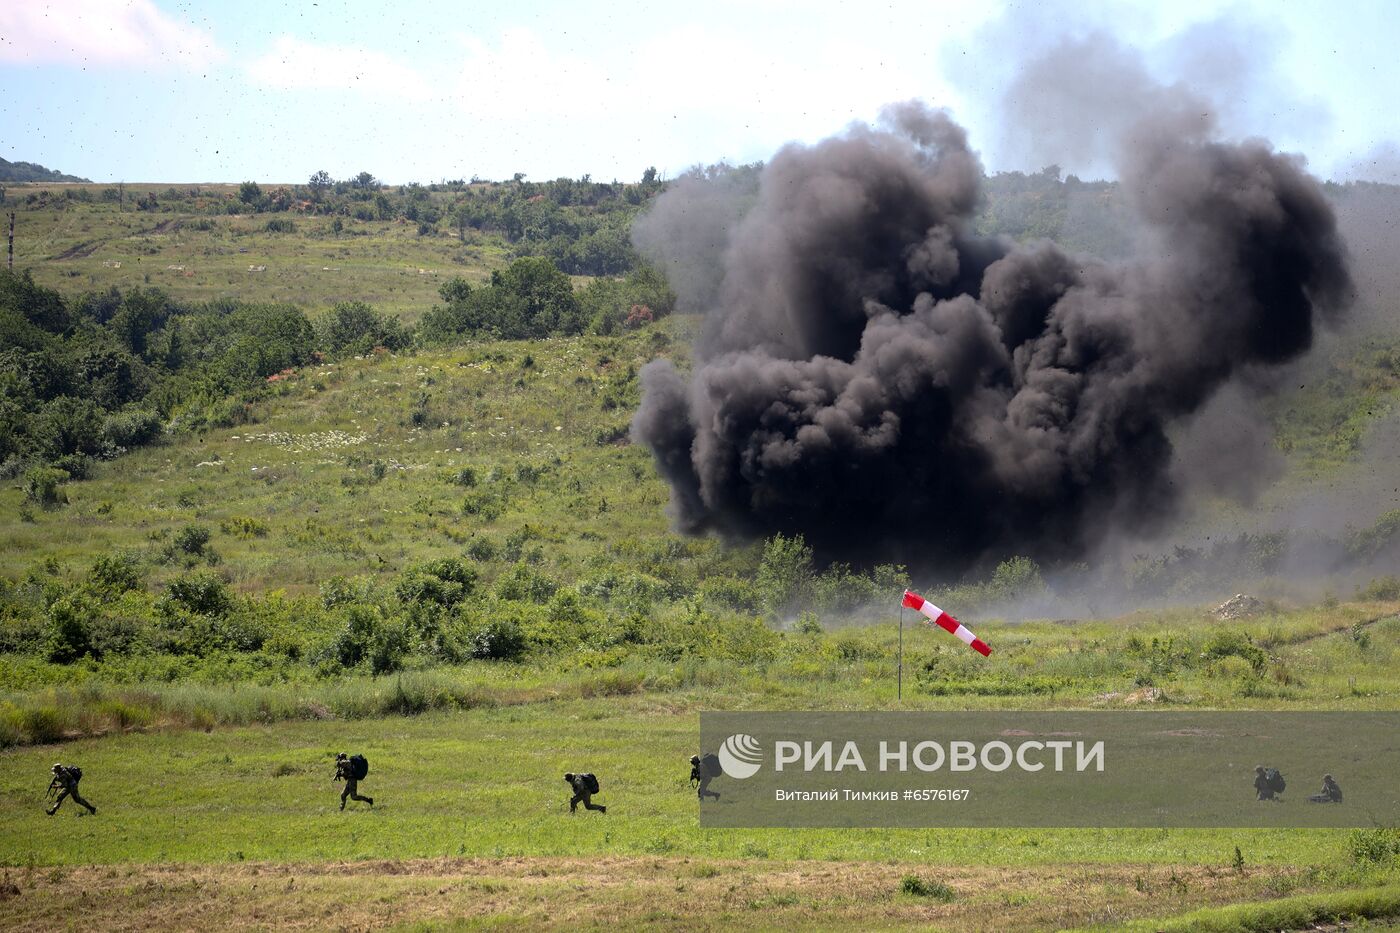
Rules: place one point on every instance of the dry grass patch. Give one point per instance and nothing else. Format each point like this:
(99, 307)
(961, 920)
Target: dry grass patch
(596, 892)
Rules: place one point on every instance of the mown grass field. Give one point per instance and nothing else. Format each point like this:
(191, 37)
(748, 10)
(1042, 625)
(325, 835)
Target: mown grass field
(471, 823)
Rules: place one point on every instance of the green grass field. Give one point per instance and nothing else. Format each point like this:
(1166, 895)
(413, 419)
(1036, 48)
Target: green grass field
(212, 774)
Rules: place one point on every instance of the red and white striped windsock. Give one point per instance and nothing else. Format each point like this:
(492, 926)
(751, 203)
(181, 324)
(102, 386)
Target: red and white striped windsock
(946, 622)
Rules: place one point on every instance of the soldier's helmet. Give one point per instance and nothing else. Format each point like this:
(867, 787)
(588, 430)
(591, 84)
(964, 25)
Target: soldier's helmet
(695, 759)
(1327, 777)
(56, 767)
(1258, 769)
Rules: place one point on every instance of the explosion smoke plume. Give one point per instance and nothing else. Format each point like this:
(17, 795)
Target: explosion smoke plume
(888, 384)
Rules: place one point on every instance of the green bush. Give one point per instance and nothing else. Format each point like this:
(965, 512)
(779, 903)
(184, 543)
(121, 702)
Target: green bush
(498, 640)
(354, 328)
(1374, 846)
(444, 582)
(1381, 588)
(133, 428)
(523, 583)
(44, 486)
(192, 539)
(116, 573)
(1231, 643)
(201, 592)
(785, 573)
(67, 634)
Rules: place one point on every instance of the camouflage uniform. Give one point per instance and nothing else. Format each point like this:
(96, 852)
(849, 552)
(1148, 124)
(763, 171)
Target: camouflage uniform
(581, 794)
(344, 772)
(67, 783)
(697, 773)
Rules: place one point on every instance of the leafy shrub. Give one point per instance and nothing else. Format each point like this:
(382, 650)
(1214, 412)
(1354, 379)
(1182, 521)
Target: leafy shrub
(201, 592)
(1381, 588)
(354, 328)
(67, 634)
(731, 593)
(77, 466)
(785, 573)
(499, 640)
(342, 591)
(524, 583)
(481, 549)
(368, 638)
(280, 225)
(1016, 578)
(1374, 846)
(1231, 643)
(808, 624)
(445, 582)
(133, 428)
(116, 573)
(191, 539)
(44, 486)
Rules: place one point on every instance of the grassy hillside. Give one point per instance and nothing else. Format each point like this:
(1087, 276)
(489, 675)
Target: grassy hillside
(358, 467)
(195, 252)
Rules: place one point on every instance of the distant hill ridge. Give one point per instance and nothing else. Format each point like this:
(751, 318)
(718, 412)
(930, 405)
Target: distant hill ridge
(29, 171)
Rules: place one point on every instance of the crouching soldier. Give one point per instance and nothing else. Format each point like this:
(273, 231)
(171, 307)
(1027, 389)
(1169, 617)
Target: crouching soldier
(584, 787)
(1331, 792)
(704, 769)
(1268, 783)
(352, 770)
(65, 783)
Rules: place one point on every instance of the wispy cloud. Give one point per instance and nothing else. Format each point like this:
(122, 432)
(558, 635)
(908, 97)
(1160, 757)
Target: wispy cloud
(101, 32)
(294, 63)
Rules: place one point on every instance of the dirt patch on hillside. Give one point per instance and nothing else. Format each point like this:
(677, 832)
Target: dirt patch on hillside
(681, 893)
(80, 251)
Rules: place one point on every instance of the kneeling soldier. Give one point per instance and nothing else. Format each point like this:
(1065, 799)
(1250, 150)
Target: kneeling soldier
(585, 786)
(65, 782)
(352, 770)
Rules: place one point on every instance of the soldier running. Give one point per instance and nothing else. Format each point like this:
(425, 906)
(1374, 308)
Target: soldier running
(345, 771)
(585, 786)
(65, 782)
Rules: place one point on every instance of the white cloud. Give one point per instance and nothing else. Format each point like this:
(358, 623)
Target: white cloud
(294, 64)
(721, 78)
(100, 32)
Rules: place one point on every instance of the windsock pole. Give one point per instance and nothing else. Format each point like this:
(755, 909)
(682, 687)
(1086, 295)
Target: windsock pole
(899, 671)
(946, 622)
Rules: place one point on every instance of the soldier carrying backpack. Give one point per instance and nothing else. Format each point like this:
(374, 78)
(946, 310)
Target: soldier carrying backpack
(704, 769)
(352, 770)
(584, 786)
(1268, 783)
(65, 783)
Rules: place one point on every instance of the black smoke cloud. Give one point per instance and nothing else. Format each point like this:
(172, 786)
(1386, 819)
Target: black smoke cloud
(883, 381)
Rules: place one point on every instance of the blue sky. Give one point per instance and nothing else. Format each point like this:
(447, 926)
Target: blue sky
(158, 90)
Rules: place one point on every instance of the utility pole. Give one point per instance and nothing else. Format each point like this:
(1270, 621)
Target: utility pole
(12, 241)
